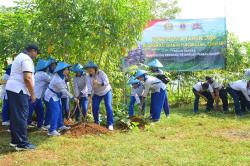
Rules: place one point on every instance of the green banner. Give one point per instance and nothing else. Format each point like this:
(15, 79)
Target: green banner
(186, 44)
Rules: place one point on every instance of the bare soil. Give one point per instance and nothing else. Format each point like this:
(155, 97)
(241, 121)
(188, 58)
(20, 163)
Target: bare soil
(81, 129)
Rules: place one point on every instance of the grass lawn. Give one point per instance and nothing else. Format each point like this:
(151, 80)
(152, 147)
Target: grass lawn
(183, 139)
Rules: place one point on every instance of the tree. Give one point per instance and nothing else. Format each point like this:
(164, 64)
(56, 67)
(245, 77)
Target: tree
(165, 9)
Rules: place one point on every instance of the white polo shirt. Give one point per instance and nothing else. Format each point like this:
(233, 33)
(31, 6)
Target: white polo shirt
(22, 63)
(198, 87)
(216, 85)
(241, 86)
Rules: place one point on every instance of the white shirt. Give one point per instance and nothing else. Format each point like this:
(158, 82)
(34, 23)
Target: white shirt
(216, 85)
(241, 86)
(42, 80)
(58, 85)
(4, 94)
(80, 86)
(152, 84)
(137, 93)
(198, 87)
(22, 63)
(99, 90)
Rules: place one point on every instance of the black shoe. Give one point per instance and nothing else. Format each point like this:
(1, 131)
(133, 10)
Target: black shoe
(26, 147)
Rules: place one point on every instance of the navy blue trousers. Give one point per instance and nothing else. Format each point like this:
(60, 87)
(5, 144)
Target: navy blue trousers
(47, 118)
(240, 102)
(132, 104)
(5, 111)
(39, 109)
(210, 100)
(65, 107)
(19, 111)
(56, 115)
(96, 100)
(83, 102)
(166, 105)
(157, 103)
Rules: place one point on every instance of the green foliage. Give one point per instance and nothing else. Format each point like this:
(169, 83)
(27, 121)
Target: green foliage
(165, 9)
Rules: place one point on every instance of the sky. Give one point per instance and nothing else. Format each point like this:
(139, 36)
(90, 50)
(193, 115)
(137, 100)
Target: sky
(236, 11)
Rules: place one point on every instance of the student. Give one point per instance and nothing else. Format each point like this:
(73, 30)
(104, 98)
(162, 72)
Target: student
(52, 66)
(20, 87)
(42, 80)
(65, 101)
(53, 94)
(136, 95)
(158, 93)
(5, 108)
(98, 84)
(80, 90)
(155, 66)
(219, 92)
(205, 91)
(239, 92)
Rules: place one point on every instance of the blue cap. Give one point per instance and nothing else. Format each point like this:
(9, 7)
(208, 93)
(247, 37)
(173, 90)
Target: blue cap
(90, 64)
(140, 73)
(133, 80)
(155, 63)
(61, 66)
(42, 64)
(77, 68)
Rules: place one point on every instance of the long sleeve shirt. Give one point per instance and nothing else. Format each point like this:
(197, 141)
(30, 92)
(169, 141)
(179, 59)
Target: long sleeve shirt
(4, 94)
(152, 84)
(99, 90)
(137, 93)
(241, 86)
(80, 86)
(42, 80)
(57, 86)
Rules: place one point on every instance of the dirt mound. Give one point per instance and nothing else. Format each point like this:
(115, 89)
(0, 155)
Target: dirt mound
(89, 129)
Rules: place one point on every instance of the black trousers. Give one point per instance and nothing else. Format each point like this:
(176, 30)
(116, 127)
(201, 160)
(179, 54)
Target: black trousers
(19, 111)
(224, 99)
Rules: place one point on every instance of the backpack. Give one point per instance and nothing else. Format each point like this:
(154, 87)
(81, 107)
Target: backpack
(163, 78)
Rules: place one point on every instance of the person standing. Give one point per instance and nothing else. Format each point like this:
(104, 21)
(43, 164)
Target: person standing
(205, 91)
(57, 87)
(80, 90)
(20, 87)
(136, 95)
(65, 101)
(239, 92)
(219, 92)
(52, 66)
(158, 93)
(42, 80)
(154, 67)
(98, 84)
(5, 108)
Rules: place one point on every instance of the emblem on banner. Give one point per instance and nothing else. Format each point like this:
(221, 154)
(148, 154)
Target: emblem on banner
(197, 26)
(183, 26)
(169, 26)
